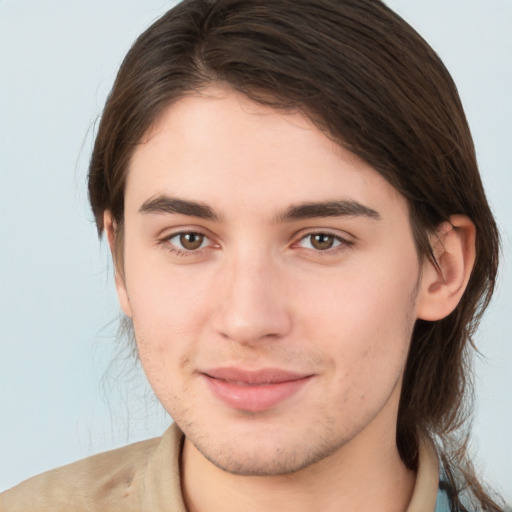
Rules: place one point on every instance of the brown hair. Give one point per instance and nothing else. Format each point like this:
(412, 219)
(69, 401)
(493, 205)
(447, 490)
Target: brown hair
(363, 75)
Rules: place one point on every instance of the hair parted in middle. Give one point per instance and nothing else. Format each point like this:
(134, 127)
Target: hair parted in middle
(371, 83)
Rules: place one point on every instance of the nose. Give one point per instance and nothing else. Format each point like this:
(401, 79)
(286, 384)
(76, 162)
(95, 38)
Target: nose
(253, 304)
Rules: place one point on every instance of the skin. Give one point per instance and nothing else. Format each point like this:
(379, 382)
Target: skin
(258, 293)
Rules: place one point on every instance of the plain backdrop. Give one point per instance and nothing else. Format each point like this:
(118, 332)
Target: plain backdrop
(60, 397)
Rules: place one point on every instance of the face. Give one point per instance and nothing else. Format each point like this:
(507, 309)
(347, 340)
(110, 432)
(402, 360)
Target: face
(271, 277)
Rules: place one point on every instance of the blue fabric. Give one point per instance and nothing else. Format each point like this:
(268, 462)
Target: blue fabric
(466, 500)
(442, 502)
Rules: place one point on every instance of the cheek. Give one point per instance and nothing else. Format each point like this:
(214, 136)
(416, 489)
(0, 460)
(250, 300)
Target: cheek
(364, 320)
(166, 331)
(167, 308)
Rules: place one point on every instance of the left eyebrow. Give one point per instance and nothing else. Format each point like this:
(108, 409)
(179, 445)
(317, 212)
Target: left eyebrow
(340, 208)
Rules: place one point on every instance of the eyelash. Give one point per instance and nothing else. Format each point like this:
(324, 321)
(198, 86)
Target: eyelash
(342, 243)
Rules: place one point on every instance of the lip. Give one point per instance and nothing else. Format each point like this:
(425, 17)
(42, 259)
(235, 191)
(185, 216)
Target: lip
(254, 390)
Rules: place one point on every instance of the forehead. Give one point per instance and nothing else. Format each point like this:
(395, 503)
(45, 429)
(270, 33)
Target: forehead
(221, 147)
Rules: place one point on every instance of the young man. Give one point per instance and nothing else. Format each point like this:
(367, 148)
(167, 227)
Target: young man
(303, 244)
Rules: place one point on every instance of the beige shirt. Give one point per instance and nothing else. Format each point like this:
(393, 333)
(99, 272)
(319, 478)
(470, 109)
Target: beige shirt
(145, 477)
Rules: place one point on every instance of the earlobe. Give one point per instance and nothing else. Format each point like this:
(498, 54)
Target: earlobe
(111, 234)
(442, 286)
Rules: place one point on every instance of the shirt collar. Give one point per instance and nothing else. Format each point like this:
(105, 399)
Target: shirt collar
(424, 495)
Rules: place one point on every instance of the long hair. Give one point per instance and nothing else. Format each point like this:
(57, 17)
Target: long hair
(368, 80)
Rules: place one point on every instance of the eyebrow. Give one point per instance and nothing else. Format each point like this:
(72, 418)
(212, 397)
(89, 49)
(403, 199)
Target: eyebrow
(166, 204)
(339, 208)
(170, 205)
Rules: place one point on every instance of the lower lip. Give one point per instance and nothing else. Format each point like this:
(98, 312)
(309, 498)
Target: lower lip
(254, 397)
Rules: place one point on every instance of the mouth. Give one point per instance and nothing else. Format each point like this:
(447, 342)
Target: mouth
(254, 391)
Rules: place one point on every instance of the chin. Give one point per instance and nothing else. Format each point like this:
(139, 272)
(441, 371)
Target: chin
(270, 458)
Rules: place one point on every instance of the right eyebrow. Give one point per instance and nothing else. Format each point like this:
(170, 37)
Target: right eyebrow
(167, 204)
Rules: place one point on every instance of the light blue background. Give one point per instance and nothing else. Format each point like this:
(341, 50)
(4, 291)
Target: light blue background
(58, 311)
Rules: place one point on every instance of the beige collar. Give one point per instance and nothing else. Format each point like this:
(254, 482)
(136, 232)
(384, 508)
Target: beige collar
(424, 494)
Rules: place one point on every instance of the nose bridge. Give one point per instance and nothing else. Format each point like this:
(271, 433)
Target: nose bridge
(254, 304)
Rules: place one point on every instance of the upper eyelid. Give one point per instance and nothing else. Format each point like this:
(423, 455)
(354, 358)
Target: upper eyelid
(171, 232)
(313, 233)
(186, 232)
(344, 236)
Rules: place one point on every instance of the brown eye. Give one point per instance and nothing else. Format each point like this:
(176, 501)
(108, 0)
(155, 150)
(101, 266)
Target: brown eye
(191, 241)
(322, 241)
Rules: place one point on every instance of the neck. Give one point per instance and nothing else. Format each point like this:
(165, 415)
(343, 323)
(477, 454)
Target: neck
(365, 471)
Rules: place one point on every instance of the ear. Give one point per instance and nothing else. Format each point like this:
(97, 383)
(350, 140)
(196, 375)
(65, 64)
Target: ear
(441, 287)
(111, 232)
